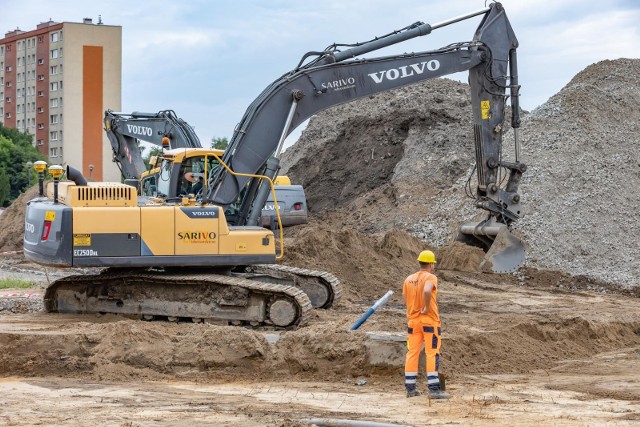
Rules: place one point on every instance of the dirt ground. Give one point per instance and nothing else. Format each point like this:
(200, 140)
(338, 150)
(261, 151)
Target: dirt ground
(537, 347)
(534, 348)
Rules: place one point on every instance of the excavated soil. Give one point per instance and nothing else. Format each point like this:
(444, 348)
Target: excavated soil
(556, 343)
(12, 221)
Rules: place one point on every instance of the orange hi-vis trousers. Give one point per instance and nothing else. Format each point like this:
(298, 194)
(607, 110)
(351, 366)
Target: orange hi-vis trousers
(419, 333)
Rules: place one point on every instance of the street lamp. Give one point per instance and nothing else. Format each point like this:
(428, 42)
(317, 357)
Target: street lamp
(40, 166)
(29, 166)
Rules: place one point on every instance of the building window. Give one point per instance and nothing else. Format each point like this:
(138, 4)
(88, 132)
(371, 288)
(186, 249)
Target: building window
(8, 83)
(53, 69)
(53, 152)
(8, 115)
(54, 102)
(54, 37)
(40, 125)
(53, 135)
(1, 81)
(8, 99)
(40, 39)
(40, 142)
(40, 109)
(40, 77)
(8, 69)
(40, 61)
(54, 86)
(40, 93)
(53, 119)
(54, 53)
(1, 50)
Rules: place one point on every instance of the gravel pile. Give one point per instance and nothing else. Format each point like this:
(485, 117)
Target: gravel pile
(401, 160)
(21, 303)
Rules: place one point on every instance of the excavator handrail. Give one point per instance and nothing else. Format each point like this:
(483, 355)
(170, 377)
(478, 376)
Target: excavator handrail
(273, 193)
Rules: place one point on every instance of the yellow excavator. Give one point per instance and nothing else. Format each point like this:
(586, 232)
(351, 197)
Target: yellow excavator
(203, 256)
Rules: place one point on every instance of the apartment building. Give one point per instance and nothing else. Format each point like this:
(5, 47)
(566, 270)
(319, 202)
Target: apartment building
(56, 82)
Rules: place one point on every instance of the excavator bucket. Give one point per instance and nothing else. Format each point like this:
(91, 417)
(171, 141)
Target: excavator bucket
(505, 251)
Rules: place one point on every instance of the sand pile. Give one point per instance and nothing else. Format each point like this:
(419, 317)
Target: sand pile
(367, 265)
(12, 221)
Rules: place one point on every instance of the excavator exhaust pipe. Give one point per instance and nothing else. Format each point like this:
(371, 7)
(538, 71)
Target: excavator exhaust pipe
(76, 176)
(505, 252)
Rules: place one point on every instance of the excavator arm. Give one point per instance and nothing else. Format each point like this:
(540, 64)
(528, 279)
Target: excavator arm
(125, 131)
(333, 78)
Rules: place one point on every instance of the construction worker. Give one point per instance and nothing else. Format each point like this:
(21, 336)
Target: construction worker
(194, 182)
(420, 292)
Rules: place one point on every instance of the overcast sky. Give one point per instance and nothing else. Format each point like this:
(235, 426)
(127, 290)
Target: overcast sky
(208, 60)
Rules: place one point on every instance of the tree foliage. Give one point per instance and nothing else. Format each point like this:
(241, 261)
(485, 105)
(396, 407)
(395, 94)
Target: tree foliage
(219, 143)
(15, 151)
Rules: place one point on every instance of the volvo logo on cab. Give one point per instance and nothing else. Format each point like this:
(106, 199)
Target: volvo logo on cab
(406, 71)
(140, 130)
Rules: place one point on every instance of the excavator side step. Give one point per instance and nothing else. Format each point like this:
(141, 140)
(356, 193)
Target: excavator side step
(212, 298)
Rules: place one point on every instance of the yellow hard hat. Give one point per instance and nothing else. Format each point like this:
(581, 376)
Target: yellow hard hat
(427, 256)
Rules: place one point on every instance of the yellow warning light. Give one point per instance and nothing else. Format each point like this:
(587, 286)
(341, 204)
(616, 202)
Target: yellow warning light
(165, 142)
(56, 171)
(40, 166)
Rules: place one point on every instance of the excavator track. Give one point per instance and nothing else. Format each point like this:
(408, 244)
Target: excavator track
(213, 298)
(322, 288)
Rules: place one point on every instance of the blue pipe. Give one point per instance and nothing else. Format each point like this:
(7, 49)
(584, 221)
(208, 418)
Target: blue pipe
(372, 310)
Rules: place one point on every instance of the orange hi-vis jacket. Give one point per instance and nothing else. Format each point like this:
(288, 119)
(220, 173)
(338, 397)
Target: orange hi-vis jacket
(412, 290)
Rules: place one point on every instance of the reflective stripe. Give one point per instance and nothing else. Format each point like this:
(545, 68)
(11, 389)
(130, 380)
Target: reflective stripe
(438, 362)
(433, 381)
(439, 331)
(428, 329)
(410, 330)
(410, 378)
(434, 341)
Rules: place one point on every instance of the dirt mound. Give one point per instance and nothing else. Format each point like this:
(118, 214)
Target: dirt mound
(12, 221)
(367, 265)
(384, 159)
(460, 257)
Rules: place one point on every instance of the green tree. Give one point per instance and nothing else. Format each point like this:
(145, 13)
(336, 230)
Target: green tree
(15, 151)
(219, 143)
(5, 188)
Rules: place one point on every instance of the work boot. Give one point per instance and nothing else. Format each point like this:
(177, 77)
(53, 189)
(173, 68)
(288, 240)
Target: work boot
(413, 393)
(438, 394)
